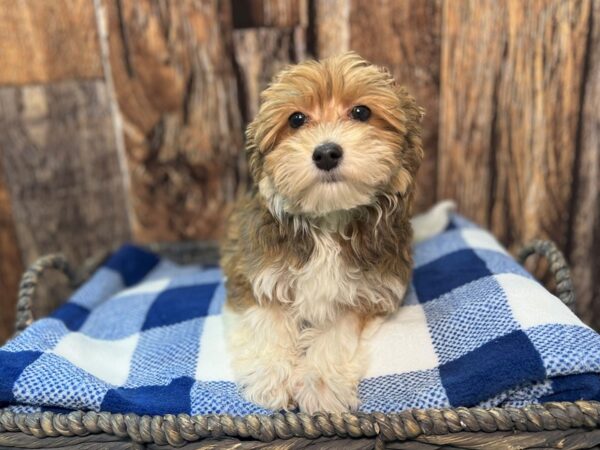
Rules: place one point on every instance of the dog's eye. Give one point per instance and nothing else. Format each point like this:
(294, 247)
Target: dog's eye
(297, 119)
(360, 112)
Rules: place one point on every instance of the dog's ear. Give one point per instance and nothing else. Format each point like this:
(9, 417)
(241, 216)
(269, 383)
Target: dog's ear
(412, 150)
(414, 112)
(253, 154)
(402, 181)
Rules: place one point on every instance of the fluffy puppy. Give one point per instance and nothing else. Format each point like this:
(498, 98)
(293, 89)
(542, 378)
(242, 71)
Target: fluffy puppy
(321, 246)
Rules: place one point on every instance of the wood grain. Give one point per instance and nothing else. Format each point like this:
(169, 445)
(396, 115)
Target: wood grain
(473, 40)
(44, 41)
(511, 85)
(405, 37)
(329, 27)
(61, 169)
(11, 266)
(519, 140)
(172, 68)
(538, 109)
(259, 55)
(584, 237)
(269, 13)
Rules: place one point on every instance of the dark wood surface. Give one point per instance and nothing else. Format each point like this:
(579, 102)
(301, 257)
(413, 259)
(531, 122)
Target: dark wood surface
(124, 119)
(269, 13)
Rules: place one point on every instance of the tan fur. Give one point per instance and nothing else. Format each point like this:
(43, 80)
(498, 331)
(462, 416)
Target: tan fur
(311, 257)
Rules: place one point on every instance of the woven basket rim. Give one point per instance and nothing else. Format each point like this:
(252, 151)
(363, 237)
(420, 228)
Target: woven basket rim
(409, 424)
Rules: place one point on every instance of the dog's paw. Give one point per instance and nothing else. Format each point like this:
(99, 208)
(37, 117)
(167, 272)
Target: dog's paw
(267, 386)
(314, 393)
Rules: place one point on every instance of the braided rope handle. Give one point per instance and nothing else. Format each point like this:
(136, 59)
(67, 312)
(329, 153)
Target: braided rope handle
(30, 281)
(558, 266)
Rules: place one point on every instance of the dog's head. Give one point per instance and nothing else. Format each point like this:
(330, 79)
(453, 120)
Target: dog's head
(333, 135)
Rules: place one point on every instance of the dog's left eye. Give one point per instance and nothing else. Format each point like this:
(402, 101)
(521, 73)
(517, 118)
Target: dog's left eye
(361, 113)
(297, 119)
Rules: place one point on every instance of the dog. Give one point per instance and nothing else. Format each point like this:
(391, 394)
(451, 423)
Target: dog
(319, 249)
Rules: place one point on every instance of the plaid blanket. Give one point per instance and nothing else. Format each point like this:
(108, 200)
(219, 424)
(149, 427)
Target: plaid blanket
(145, 335)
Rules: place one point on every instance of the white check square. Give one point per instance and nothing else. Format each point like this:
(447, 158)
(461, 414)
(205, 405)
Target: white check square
(402, 344)
(214, 361)
(532, 304)
(479, 239)
(108, 361)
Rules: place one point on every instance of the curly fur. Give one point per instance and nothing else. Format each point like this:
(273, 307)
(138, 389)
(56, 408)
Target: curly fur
(312, 257)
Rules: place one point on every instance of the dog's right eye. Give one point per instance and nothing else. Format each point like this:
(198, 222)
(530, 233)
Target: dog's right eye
(297, 119)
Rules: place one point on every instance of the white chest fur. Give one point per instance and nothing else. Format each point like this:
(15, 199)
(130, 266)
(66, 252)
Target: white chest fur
(318, 290)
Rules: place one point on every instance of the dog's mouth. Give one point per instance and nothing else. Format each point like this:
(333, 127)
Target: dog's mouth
(333, 176)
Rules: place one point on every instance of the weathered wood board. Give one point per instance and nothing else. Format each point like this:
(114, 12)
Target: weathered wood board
(269, 13)
(11, 265)
(405, 37)
(511, 88)
(177, 93)
(472, 51)
(518, 132)
(583, 244)
(45, 41)
(330, 27)
(61, 169)
(259, 55)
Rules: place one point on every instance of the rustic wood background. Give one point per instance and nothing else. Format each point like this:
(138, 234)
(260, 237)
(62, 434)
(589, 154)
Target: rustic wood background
(122, 119)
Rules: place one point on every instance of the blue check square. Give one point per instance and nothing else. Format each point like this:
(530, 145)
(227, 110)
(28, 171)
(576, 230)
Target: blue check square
(132, 263)
(178, 304)
(167, 399)
(72, 315)
(447, 273)
(491, 368)
(13, 364)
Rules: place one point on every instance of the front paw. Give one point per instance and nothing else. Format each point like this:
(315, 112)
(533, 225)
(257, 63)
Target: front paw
(267, 386)
(315, 392)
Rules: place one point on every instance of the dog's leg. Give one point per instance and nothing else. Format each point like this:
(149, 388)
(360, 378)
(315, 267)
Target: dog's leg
(328, 374)
(261, 343)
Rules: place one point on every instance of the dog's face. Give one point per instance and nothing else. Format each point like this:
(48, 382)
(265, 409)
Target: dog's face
(333, 135)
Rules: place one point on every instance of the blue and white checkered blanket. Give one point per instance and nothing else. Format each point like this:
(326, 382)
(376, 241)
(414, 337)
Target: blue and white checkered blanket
(145, 335)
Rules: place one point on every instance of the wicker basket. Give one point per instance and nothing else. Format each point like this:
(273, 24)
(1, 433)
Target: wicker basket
(552, 425)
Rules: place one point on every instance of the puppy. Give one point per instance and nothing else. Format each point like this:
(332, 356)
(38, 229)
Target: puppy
(321, 246)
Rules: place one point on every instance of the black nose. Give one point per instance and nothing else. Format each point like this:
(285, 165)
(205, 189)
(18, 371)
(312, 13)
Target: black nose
(327, 156)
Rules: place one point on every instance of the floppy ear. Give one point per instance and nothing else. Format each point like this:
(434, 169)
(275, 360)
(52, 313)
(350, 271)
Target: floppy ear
(255, 158)
(412, 148)
(414, 112)
(402, 181)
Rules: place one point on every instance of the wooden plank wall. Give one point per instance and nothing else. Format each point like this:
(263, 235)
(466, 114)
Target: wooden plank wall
(123, 119)
(518, 135)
